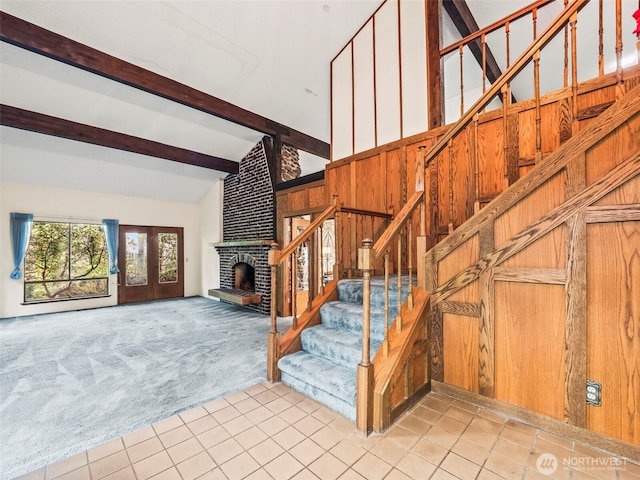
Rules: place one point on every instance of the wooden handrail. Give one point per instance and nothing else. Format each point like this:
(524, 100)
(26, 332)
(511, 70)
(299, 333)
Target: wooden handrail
(306, 233)
(511, 72)
(370, 213)
(494, 26)
(611, 119)
(392, 230)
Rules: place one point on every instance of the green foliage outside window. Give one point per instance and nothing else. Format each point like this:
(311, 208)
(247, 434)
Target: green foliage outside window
(66, 260)
(168, 257)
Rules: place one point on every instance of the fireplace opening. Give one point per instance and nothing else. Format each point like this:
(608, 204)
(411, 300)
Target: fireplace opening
(244, 277)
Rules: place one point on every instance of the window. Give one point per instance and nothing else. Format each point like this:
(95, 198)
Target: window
(65, 261)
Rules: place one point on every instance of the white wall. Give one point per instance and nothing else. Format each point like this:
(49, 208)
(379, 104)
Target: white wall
(210, 232)
(201, 223)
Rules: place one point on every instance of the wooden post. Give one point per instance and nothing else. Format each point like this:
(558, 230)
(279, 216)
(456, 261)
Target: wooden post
(364, 376)
(385, 342)
(536, 81)
(399, 299)
(337, 266)
(273, 337)
(421, 239)
(294, 289)
(620, 90)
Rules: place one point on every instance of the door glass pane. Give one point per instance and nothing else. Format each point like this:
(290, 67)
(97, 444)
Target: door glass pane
(136, 261)
(167, 257)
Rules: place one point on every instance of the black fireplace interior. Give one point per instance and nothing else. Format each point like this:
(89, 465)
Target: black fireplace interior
(244, 277)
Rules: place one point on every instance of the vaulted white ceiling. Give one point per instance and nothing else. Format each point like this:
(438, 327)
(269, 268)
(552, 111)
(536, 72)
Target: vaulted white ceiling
(269, 57)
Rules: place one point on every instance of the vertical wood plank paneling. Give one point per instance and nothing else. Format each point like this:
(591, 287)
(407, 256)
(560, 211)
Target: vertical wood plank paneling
(432, 223)
(576, 301)
(463, 179)
(444, 203)
(533, 207)
(371, 183)
(614, 149)
(529, 357)
(491, 157)
(465, 255)
(565, 123)
(341, 106)
(437, 345)
(526, 127)
(550, 128)
(513, 149)
(628, 193)
(364, 94)
(387, 73)
(486, 336)
(460, 335)
(613, 327)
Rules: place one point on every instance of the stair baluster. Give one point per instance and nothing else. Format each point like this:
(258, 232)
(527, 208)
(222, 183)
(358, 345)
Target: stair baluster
(294, 288)
(385, 342)
(399, 268)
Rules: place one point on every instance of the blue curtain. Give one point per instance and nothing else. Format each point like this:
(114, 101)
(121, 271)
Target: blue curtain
(111, 230)
(20, 232)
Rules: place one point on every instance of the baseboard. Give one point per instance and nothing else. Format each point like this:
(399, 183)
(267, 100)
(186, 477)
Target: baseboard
(594, 439)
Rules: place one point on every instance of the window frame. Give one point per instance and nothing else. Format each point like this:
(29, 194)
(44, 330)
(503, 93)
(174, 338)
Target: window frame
(69, 224)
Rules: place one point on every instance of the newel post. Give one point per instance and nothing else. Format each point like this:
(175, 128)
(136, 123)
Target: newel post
(364, 379)
(273, 337)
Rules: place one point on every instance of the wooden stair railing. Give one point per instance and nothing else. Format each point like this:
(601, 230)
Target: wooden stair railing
(290, 342)
(374, 403)
(532, 53)
(276, 258)
(366, 405)
(580, 184)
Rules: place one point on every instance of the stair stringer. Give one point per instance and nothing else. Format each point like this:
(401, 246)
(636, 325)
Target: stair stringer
(451, 268)
(403, 376)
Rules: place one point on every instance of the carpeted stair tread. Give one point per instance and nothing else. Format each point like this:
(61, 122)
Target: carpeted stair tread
(348, 316)
(351, 290)
(325, 368)
(334, 403)
(321, 374)
(343, 347)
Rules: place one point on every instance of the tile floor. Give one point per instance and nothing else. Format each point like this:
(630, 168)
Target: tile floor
(270, 432)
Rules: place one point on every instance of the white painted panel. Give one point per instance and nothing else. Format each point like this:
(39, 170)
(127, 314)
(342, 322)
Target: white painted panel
(364, 108)
(387, 73)
(341, 106)
(414, 67)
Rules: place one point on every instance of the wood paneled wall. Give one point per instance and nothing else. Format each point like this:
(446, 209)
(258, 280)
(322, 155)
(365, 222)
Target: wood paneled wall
(307, 199)
(532, 315)
(541, 291)
(477, 166)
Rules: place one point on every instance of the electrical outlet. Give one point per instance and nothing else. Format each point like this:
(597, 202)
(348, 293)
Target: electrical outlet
(594, 393)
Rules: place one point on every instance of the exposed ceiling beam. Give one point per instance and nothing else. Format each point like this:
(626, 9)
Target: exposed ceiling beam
(26, 35)
(466, 24)
(38, 122)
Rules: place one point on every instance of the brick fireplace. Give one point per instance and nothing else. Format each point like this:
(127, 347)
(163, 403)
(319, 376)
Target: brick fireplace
(248, 226)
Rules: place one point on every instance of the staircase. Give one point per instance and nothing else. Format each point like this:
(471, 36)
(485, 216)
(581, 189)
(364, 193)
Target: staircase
(325, 368)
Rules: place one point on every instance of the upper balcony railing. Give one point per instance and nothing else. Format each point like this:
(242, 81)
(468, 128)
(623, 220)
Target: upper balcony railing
(393, 80)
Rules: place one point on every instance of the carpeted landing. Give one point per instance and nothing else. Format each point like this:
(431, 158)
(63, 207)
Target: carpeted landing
(71, 381)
